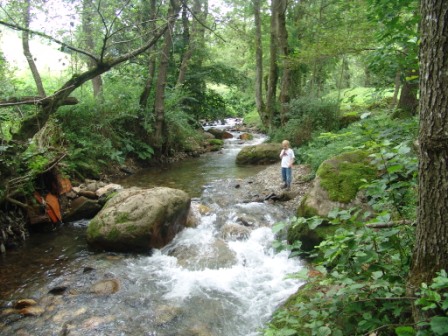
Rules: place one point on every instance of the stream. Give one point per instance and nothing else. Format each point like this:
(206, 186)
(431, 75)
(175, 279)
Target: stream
(206, 282)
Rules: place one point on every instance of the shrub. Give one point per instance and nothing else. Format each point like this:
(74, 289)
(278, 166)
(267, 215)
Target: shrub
(305, 117)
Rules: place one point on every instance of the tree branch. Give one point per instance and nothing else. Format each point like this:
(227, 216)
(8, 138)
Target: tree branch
(48, 37)
(389, 225)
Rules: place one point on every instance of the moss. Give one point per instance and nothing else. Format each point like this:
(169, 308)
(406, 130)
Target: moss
(342, 175)
(113, 234)
(111, 195)
(304, 210)
(122, 217)
(265, 153)
(93, 230)
(348, 118)
(215, 144)
(132, 228)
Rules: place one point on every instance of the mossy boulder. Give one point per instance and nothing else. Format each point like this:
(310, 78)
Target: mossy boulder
(336, 185)
(348, 118)
(265, 153)
(136, 220)
(342, 175)
(215, 144)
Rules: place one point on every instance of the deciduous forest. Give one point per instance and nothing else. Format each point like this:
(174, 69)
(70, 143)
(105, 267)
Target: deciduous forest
(141, 77)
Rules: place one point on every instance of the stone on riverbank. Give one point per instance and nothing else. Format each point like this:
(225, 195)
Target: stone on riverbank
(265, 153)
(136, 220)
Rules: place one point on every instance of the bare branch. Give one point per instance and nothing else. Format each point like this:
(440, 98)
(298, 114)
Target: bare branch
(63, 44)
(203, 24)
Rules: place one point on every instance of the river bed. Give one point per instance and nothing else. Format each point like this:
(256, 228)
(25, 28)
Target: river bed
(218, 279)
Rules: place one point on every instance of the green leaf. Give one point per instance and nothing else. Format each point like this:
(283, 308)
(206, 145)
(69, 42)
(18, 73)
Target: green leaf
(288, 332)
(394, 168)
(405, 331)
(314, 223)
(376, 275)
(323, 331)
(278, 227)
(439, 325)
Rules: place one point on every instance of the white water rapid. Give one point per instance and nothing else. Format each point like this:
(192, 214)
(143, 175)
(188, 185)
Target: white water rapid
(217, 279)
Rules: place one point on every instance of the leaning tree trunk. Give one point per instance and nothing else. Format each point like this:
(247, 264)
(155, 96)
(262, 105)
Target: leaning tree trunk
(27, 51)
(431, 248)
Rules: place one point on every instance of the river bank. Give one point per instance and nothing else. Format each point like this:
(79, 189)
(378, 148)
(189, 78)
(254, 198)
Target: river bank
(219, 278)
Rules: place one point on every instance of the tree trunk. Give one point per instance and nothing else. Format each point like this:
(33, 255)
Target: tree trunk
(159, 100)
(431, 248)
(273, 67)
(284, 53)
(189, 41)
(396, 88)
(151, 60)
(408, 103)
(261, 108)
(87, 29)
(27, 51)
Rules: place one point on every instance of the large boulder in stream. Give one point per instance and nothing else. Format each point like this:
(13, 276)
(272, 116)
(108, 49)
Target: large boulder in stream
(136, 220)
(265, 153)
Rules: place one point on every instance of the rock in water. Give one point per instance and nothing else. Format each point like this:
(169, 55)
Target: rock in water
(136, 220)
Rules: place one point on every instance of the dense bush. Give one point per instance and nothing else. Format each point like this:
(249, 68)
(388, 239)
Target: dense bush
(305, 117)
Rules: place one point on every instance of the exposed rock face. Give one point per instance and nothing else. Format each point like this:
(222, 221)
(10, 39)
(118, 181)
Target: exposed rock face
(265, 153)
(139, 219)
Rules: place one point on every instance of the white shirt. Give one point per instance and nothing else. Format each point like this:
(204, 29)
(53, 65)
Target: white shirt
(287, 156)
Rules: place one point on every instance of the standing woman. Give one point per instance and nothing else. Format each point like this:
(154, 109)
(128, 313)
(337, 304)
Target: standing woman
(287, 156)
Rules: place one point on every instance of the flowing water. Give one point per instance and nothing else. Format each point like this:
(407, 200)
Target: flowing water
(207, 282)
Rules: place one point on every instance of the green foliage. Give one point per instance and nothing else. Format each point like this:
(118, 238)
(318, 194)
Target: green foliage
(362, 287)
(398, 37)
(434, 300)
(305, 117)
(253, 119)
(358, 98)
(366, 134)
(181, 127)
(362, 271)
(98, 134)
